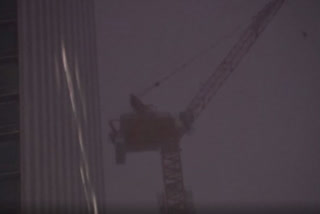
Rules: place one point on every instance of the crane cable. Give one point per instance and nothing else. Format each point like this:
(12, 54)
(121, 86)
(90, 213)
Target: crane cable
(188, 62)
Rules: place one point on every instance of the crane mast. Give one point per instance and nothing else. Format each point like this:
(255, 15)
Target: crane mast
(175, 200)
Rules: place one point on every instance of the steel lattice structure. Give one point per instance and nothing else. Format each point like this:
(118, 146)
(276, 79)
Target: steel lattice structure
(150, 127)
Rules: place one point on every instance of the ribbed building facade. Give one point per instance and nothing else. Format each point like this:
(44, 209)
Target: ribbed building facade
(61, 164)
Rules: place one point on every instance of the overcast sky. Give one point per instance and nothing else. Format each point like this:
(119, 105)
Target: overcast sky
(258, 140)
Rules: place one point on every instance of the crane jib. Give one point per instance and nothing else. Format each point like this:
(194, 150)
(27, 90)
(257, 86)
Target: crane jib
(230, 62)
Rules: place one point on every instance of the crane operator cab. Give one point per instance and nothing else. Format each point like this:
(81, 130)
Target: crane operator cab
(143, 130)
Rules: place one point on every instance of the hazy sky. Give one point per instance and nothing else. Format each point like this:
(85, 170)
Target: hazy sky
(258, 140)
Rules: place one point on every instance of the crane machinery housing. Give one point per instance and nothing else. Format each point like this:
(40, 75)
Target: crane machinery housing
(145, 129)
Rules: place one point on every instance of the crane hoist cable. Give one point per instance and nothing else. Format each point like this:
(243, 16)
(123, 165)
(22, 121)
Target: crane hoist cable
(191, 60)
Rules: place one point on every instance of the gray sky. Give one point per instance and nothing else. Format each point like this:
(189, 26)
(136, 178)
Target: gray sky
(258, 140)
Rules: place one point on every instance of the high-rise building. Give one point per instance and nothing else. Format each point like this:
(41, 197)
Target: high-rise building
(51, 149)
(9, 110)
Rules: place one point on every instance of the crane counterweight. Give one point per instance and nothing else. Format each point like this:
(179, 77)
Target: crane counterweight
(144, 130)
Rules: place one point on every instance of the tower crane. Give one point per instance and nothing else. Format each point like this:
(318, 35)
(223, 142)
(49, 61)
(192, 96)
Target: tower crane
(145, 129)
